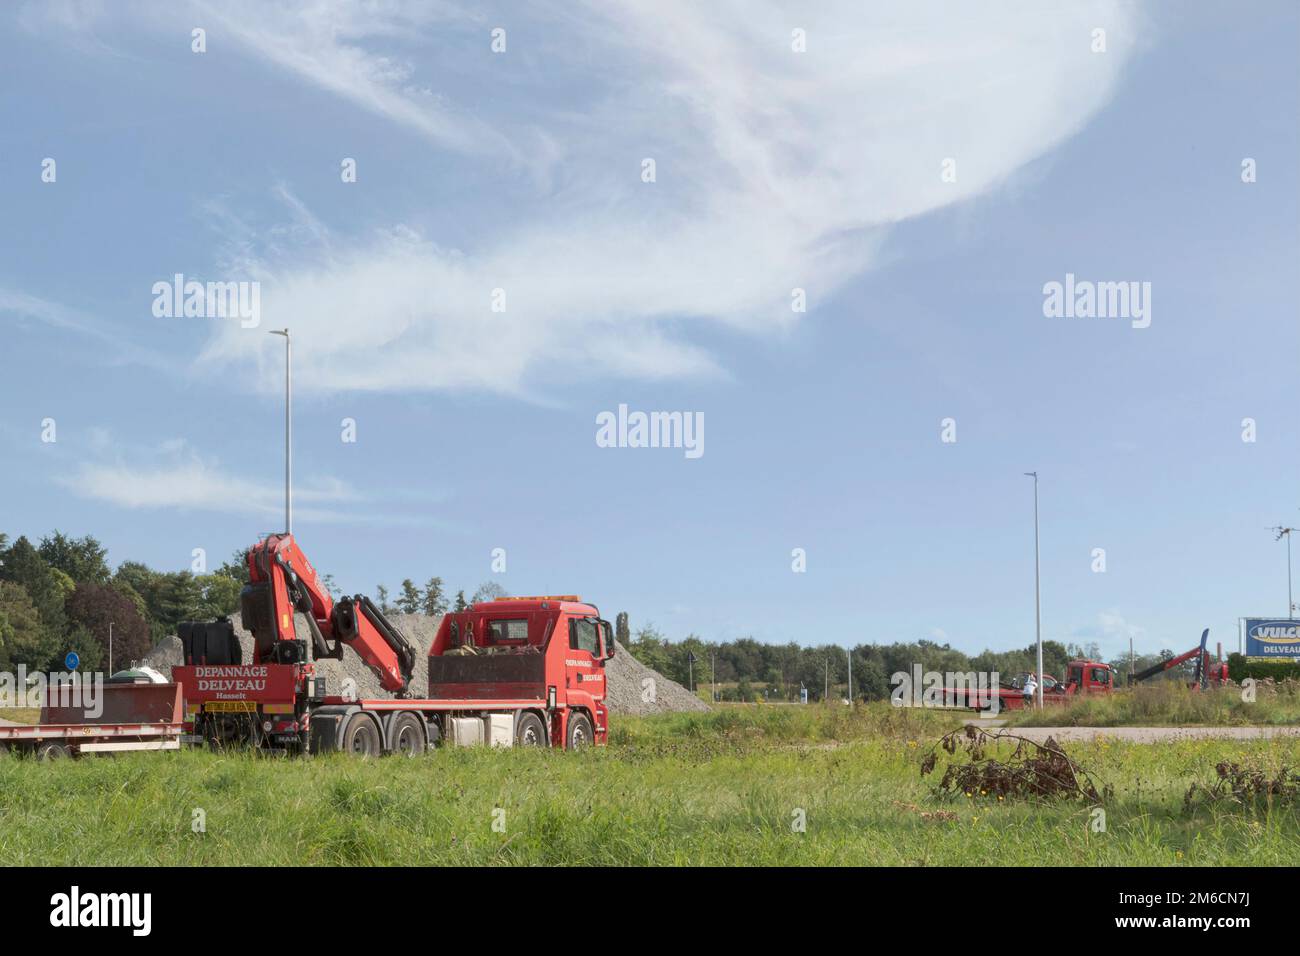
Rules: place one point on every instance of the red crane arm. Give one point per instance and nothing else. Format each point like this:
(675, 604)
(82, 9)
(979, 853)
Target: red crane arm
(1161, 666)
(281, 581)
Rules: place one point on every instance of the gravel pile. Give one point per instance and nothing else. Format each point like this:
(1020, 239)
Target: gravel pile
(626, 677)
(626, 688)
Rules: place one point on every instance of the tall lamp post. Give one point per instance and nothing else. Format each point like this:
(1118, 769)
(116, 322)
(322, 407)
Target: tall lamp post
(288, 429)
(1281, 532)
(1038, 612)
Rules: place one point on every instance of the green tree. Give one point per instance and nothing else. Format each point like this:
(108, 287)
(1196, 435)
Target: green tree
(90, 653)
(64, 582)
(621, 632)
(181, 599)
(93, 607)
(22, 564)
(1090, 651)
(1055, 658)
(435, 599)
(23, 640)
(220, 596)
(460, 602)
(82, 559)
(488, 591)
(651, 649)
(409, 602)
(381, 593)
(236, 567)
(149, 585)
(130, 593)
(870, 682)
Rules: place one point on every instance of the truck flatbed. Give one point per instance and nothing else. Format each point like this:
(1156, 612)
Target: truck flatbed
(128, 717)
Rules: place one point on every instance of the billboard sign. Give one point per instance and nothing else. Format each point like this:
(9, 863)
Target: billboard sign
(1272, 638)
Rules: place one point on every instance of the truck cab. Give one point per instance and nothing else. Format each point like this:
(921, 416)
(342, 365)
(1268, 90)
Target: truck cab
(549, 649)
(1081, 677)
(1089, 677)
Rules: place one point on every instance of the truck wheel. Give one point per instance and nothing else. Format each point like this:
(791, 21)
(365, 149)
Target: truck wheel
(409, 735)
(530, 732)
(52, 750)
(579, 734)
(361, 737)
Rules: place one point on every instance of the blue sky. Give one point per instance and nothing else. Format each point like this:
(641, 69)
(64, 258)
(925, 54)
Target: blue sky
(775, 169)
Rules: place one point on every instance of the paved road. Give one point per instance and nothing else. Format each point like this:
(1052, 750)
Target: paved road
(1146, 735)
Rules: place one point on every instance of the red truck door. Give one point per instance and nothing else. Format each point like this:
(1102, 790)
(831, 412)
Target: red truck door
(1099, 679)
(584, 668)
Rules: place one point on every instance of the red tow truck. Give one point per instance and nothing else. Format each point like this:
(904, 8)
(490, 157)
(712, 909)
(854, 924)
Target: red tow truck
(1082, 677)
(526, 671)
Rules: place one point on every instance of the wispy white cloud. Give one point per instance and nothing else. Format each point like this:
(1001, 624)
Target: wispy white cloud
(174, 476)
(21, 307)
(332, 45)
(776, 169)
(1114, 627)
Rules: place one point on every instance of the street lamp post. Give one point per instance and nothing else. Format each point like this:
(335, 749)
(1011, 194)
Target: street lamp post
(1290, 603)
(288, 429)
(1038, 612)
(848, 654)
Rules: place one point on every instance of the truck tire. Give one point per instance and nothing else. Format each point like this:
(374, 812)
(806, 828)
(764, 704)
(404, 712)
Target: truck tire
(361, 736)
(578, 734)
(530, 732)
(408, 735)
(52, 750)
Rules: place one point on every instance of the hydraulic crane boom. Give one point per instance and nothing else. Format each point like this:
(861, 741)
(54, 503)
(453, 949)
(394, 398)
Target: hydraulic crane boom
(281, 581)
(1204, 666)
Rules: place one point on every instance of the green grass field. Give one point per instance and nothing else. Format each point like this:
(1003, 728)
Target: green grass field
(1169, 704)
(719, 788)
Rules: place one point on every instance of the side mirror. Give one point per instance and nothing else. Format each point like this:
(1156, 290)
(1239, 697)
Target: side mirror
(607, 635)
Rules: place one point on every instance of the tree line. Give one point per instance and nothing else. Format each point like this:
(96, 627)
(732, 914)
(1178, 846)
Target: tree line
(749, 670)
(60, 595)
(432, 598)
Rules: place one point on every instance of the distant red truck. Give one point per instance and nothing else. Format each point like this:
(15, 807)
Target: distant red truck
(1082, 677)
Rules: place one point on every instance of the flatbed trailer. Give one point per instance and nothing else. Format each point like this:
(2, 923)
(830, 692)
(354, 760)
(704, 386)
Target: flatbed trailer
(128, 717)
(64, 740)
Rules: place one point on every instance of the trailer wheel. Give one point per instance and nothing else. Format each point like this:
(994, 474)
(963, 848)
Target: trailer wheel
(52, 750)
(579, 733)
(530, 732)
(362, 736)
(409, 735)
